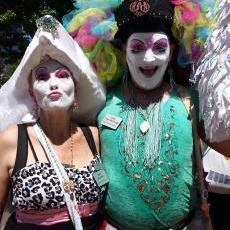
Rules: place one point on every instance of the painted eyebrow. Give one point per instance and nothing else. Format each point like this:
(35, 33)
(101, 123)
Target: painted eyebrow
(137, 40)
(161, 41)
(40, 69)
(62, 68)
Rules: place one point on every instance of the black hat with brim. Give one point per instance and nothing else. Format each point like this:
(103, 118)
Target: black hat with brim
(134, 16)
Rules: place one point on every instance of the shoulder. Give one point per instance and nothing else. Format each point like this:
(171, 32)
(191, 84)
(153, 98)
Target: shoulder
(96, 138)
(183, 91)
(190, 97)
(8, 145)
(9, 136)
(190, 93)
(8, 148)
(113, 92)
(114, 98)
(94, 131)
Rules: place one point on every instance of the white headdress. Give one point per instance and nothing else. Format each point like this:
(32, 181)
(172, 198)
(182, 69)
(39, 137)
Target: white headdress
(53, 40)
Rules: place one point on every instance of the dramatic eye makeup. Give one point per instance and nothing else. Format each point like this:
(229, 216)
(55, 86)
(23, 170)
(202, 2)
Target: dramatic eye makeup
(160, 46)
(41, 74)
(62, 73)
(137, 46)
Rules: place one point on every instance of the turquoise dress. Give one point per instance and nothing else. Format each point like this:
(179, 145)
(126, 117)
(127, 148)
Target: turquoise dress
(141, 197)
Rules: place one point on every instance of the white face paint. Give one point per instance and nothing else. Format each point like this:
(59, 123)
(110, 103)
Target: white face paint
(53, 86)
(147, 55)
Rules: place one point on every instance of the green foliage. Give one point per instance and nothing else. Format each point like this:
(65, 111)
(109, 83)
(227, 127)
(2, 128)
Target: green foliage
(18, 25)
(7, 17)
(8, 70)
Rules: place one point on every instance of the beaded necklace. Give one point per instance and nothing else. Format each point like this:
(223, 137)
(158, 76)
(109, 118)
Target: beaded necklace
(151, 172)
(71, 143)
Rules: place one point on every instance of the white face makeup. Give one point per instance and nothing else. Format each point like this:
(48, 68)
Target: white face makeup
(53, 86)
(147, 55)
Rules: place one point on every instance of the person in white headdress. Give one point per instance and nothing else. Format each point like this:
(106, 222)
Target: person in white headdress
(49, 159)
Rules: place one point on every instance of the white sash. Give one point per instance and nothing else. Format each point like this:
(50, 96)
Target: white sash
(69, 196)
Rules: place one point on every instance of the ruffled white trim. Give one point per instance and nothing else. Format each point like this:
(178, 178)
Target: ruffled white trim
(213, 76)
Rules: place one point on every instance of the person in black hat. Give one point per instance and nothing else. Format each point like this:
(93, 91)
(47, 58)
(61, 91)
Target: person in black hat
(147, 127)
(148, 155)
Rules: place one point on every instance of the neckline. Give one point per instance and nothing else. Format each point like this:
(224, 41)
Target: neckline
(164, 100)
(65, 166)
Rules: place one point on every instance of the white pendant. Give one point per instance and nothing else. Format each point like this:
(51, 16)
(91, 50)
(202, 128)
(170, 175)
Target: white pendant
(144, 127)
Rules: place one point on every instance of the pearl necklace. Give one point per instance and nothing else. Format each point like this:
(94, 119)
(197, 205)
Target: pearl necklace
(71, 174)
(71, 143)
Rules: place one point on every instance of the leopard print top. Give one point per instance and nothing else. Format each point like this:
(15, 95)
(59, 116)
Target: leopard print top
(36, 186)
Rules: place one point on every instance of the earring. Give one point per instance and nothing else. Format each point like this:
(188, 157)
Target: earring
(75, 106)
(193, 77)
(35, 110)
(171, 77)
(125, 80)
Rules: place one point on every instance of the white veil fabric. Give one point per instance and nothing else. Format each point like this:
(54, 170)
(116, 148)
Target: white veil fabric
(213, 78)
(53, 40)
